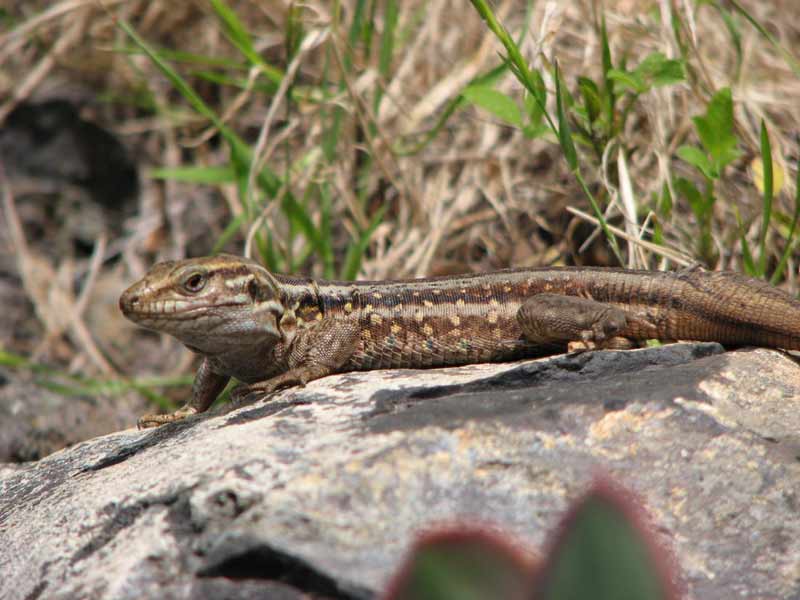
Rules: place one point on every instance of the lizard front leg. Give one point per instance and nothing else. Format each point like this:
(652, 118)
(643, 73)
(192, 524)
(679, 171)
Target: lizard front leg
(316, 351)
(582, 323)
(206, 387)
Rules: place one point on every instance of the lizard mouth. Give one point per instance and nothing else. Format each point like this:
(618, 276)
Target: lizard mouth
(171, 310)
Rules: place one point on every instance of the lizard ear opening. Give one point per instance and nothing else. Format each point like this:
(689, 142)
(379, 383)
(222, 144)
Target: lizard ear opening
(263, 286)
(253, 290)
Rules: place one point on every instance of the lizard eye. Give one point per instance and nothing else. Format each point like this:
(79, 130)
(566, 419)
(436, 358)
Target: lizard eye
(194, 282)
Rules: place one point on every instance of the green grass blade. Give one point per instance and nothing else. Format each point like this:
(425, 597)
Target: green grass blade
(15, 361)
(520, 68)
(766, 159)
(608, 66)
(516, 62)
(299, 218)
(75, 385)
(571, 156)
(227, 234)
(748, 263)
(736, 36)
(487, 78)
(391, 14)
(355, 252)
(564, 135)
(790, 239)
(359, 29)
(790, 60)
(241, 154)
(194, 174)
(325, 228)
(261, 86)
(240, 38)
(174, 78)
(191, 58)
(409, 148)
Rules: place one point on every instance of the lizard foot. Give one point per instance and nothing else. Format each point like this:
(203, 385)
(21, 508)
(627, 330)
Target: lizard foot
(147, 421)
(247, 393)
(582, 323)
(298, 376)
(612, 343)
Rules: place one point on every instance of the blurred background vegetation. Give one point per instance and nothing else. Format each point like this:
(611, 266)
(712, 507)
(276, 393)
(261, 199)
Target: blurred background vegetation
(369, 139)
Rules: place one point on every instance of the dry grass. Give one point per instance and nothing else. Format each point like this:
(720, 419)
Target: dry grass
(480, 195)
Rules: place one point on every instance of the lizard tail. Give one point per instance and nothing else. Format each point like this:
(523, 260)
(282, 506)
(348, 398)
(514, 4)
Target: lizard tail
(735, 309)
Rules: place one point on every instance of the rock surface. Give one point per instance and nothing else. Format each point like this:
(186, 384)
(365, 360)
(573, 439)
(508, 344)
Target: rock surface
(35, 421)
(319, 492)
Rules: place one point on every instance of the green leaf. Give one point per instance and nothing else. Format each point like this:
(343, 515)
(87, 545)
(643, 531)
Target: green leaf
(513, 59)
(658, 70)
(592, 100)
(628, 79)
(484, 79)
(695, 157)
(234, 28)
(497, 103)
(461, 565)
(700, 204)
(716, 130)
(603, 554)
(531, 81)
(532, 131)
(654, 71)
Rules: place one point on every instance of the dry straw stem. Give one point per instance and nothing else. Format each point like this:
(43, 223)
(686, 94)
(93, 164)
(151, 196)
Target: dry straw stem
(34, 78)
(480, 195)
(261, 154)
(50, 291)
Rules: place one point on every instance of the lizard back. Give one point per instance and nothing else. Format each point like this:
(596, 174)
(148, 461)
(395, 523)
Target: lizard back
(456, 320)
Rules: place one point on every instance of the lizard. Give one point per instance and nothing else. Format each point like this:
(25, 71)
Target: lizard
(271, 331)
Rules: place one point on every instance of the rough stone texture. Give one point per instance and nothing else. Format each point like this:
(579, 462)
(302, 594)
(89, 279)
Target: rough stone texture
(321, 490)
(35, 422)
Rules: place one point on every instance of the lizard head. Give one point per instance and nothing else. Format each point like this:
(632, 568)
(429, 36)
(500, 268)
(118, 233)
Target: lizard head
(211, 304)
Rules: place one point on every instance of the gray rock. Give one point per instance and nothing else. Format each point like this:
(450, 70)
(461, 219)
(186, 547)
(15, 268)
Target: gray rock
(35, 421)
(320, 492)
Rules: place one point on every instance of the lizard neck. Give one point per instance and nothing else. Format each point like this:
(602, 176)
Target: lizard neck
(311, 300)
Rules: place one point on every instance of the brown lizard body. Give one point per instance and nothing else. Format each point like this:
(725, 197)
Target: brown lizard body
(273, 331)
